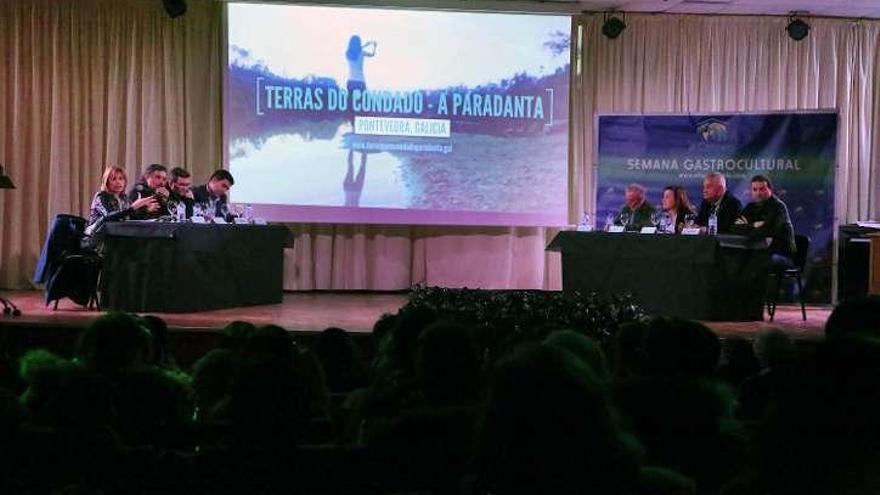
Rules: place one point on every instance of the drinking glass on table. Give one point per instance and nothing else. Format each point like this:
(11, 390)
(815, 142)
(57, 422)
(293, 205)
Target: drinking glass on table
(663, 224)
(624, 218)
(656, 217)
(236, 210)
(689, 219)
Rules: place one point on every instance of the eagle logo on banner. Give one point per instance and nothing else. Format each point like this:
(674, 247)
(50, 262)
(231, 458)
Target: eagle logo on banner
(712, 131)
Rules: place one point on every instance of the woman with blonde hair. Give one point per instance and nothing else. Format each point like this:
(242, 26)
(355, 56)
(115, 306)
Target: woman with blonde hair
(110, 204)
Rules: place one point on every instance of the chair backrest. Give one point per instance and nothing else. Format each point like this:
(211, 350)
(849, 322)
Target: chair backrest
(802, 244)
(65, 235)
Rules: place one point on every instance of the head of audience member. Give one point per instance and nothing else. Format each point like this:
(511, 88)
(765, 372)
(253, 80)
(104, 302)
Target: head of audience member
(396, 350)
(626, 348)
(180, 181)
(265, 401)
(114, 343)
(10, 414)
(821, 436)
(159, 333)
(762, 188)
(313, 400)
(154, 407)
(675, 199)
(585, 348)
(549, 427)
(775, 350)
(155, 176)
(212, 381)
(738, 361)
(344, 366)
(447, 365)
(219, 183)
(714, 187)
(60, 394)
(270, 342)
(635, 195)
(235, 334)
(114, 180)
(383, 327)
(675, 347)
(855, 316)
(43, 374)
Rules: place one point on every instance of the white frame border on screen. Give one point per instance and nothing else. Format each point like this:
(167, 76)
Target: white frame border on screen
(392, 216)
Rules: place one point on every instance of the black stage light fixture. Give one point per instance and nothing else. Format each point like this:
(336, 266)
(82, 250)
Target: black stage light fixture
(175, 8)
(5, 181)
(9, 308)
(797, 29)
(612, 27)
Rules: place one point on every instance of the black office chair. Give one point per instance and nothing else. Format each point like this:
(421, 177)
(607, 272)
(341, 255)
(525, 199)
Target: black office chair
(802, 246)
(65, 267)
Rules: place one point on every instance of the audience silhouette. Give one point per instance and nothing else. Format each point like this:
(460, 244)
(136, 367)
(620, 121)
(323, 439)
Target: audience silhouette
(449, 407)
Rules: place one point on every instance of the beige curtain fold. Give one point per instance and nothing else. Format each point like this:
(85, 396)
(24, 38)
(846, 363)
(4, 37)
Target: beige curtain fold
(90, 83)
(348, 257)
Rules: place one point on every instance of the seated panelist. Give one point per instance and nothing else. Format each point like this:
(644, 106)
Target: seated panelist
(767, 217)
(152, 183)
(213, 194)
(717, 199)
(110, 204)
(636, 211)
(676, 206)
(180, 188)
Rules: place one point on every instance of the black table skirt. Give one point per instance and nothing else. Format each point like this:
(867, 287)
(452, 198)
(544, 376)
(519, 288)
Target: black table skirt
(719, 278)
(177, 268)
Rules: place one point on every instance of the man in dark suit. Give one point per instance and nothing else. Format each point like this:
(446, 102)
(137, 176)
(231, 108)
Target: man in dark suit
(180, 185)
(716, 198)
(152, 183)
(767, 217)
(636, 210)
(213, 194)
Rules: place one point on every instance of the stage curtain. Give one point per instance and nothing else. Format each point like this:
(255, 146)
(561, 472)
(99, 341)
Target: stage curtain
(344, 257)
(89, 83)
(682, 63)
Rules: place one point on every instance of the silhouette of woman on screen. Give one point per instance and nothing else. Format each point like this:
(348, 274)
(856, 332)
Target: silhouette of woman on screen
(353, 184)
(355, 56)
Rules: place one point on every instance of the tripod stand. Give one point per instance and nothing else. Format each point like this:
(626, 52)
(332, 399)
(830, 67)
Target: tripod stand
(9, 308)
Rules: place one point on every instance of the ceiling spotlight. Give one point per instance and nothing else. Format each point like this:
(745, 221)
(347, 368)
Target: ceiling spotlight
(797, 29)
(612, 27)
(174, 8)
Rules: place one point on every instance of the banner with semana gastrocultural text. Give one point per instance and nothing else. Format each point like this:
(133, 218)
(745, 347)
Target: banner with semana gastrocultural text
(796, 151)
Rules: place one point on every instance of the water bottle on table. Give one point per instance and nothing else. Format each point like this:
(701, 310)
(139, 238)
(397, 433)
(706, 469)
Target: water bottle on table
(712, 228)
(180, 212)
(249, 214)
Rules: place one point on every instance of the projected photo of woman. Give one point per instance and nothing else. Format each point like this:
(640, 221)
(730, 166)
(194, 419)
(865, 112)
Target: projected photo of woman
(355, 54)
